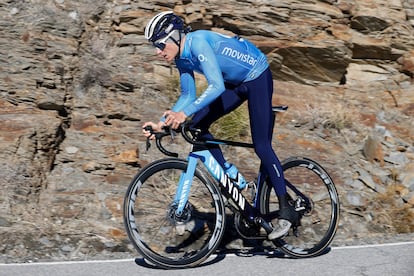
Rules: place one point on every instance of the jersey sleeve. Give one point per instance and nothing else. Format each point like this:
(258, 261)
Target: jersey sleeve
(209, 65)
(188, 90)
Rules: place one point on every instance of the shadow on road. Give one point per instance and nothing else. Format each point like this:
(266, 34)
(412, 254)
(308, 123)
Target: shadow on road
(242, 253)
(232, 243)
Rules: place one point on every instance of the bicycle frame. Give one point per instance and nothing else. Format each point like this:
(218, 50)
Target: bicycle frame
(228, 189)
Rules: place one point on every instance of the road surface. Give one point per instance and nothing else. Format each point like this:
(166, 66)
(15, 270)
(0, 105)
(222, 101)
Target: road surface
(395, 259)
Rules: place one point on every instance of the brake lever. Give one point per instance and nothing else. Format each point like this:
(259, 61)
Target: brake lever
(148, 144)
(173, 134)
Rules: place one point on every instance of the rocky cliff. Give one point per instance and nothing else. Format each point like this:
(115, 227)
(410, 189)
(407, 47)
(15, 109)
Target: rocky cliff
(77, 80)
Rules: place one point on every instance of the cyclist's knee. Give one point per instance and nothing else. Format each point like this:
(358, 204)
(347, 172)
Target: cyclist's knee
(263, 150)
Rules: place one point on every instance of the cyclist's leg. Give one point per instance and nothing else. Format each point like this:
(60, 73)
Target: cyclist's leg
(224, 104)
(259, 93)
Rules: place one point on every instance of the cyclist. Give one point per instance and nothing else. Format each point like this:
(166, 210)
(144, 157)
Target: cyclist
(235, 71)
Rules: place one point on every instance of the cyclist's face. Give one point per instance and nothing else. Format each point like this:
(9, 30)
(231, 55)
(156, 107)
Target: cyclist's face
(169, 52)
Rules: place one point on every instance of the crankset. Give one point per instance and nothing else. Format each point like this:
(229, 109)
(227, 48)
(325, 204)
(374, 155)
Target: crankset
(246, 229)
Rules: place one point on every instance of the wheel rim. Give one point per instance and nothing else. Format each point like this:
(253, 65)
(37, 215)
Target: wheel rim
(317, 227)
(154, 231)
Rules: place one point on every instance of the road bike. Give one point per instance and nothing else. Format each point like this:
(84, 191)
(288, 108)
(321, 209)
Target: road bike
(175, 209)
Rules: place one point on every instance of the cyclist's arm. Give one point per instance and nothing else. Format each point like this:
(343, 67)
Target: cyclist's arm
(188, 90)
(211, 70)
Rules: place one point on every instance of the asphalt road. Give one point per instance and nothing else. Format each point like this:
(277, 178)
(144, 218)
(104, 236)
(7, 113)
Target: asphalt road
(386, 259)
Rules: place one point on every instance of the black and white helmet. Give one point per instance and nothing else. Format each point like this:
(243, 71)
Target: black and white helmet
(162, 25)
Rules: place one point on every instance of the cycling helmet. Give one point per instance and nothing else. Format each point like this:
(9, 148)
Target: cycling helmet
(162, 25)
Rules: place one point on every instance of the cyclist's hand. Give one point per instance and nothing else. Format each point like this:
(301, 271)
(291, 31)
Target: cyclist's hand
(155, 128)
(174, 119)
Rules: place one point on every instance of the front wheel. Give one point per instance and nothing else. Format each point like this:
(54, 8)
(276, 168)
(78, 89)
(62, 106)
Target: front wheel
(154, 229)
(314, 195)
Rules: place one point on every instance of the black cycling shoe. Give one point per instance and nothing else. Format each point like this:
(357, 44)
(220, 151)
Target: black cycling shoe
(289, 213)
(288, 217)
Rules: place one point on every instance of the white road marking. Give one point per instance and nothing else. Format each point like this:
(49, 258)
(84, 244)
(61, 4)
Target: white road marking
(133, 260)
(372, 245)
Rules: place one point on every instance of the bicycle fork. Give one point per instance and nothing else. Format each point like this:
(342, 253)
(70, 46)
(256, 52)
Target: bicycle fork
(184, 186)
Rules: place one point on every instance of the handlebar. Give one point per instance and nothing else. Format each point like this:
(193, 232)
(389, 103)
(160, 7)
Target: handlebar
(191, 135)
(184, 129)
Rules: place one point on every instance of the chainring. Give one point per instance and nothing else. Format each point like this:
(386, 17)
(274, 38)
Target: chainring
(246, 229)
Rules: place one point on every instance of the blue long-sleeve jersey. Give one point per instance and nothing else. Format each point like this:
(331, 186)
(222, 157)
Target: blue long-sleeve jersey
(220, 59)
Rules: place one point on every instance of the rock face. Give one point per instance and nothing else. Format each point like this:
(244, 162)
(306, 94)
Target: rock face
(78, 80)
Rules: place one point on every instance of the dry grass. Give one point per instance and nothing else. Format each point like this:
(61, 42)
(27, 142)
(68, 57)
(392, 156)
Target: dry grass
(327, 116)
(399, 216)
(233, 126)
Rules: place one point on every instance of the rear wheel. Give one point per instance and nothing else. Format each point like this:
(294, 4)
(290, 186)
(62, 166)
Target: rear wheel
(152, 226)
(313, 193)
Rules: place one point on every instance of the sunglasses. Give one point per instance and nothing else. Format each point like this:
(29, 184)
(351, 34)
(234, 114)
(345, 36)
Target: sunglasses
(160, 43)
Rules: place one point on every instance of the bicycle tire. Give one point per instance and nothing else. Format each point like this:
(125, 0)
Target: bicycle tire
(149, 222)
(318, 225)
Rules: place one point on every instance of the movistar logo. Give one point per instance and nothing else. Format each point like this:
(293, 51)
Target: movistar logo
(227, 51)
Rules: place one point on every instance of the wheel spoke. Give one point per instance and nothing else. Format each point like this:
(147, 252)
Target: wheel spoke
(160, 236)
(310, 187)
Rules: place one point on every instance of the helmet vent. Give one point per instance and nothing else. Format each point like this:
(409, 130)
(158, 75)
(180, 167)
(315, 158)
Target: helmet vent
(169, 28)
